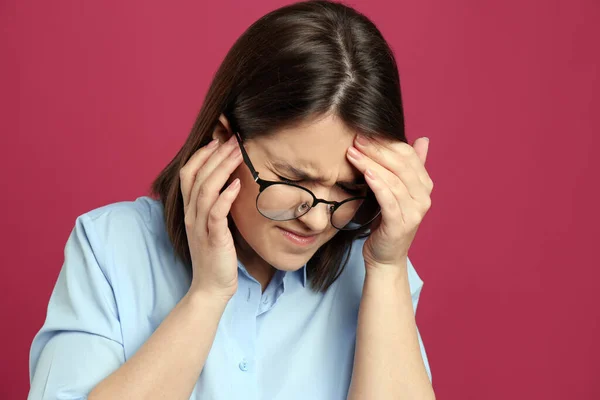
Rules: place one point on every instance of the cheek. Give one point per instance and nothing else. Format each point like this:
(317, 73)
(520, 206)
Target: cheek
(329, 235)
(243, 210)
(243, 207)
(246, 199)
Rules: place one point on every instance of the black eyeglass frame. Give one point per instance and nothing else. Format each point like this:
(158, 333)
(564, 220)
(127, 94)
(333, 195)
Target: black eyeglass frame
(264, 184)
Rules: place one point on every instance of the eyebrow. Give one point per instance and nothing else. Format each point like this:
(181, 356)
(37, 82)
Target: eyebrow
(305, 176)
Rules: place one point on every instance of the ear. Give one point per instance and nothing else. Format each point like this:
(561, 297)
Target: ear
(222, 129)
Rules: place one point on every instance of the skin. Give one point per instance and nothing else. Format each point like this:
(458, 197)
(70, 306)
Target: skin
(395, 171)
(317, 147)
(387, 362)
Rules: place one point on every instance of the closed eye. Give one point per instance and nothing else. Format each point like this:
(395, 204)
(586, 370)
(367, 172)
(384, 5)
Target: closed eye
(360, 191)
(284, 179)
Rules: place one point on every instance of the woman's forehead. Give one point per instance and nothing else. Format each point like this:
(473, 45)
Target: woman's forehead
(313, 172)
(317, 147)
(310, 161)
(320, 136)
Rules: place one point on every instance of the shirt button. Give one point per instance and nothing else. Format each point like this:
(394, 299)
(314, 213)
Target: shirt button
(266, 300)
(244, 365)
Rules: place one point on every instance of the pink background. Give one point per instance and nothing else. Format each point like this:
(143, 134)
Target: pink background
(97, 96)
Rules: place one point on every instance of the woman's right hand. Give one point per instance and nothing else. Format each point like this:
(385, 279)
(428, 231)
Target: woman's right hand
(214, 259)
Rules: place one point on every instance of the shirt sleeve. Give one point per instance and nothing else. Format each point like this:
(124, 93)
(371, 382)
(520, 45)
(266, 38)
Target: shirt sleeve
(416, 285)
(80, 342)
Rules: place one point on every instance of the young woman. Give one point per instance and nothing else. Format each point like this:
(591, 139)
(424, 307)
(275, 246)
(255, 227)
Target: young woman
(273, 261)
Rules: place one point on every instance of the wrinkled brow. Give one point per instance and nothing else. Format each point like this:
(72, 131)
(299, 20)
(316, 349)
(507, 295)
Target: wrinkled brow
(306, 176)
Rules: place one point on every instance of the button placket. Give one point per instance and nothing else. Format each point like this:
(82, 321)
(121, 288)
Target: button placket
(244, 328)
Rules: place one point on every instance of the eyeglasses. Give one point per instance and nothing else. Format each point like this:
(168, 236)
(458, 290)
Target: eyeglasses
(285, 201)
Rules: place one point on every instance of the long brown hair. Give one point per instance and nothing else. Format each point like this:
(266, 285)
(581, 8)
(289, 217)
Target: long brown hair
(300, 61)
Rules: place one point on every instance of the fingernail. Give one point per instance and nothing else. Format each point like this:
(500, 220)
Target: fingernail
(362, 140)
(426, 138)
(213, 144)
(236, 152)
(354, 153)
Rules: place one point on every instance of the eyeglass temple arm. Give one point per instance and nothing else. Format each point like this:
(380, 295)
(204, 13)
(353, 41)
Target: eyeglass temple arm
(246, 158)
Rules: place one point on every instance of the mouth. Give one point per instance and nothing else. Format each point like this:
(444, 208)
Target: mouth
(297, 238)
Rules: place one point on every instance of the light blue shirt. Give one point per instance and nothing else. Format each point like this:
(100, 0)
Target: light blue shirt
(120, 279)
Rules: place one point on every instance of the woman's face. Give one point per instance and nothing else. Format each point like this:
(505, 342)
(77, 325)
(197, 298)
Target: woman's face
(317, 149)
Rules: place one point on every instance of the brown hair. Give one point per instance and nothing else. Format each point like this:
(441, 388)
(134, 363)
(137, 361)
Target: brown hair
(300, 61)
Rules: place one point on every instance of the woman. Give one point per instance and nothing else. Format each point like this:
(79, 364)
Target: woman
(272, 263)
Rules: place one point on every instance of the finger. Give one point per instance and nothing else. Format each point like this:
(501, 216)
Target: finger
(421, 149)
(391, 185)
(217, 217)
(396, 156)
(210, 188)
(205, 170)
(405, 184)
(187, 174)
(390, 208)
(421, 146)
(411, 208)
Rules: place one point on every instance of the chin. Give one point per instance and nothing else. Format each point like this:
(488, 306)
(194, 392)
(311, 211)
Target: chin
(280, 259)
(283, 255)
(286, 255)
(284, 260)
(268, 241)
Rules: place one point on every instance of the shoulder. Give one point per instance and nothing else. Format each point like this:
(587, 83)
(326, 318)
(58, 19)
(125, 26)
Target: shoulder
(126, 237)
(143, 214)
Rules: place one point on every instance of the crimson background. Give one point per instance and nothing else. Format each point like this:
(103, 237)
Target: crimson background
(97, 96)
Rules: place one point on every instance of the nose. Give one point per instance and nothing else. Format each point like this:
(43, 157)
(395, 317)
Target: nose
(317, 219)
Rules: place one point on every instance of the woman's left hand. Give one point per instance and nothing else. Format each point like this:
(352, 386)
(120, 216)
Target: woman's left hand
(395, 172)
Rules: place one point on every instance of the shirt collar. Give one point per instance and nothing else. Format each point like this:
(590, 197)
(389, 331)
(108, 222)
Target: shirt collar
(304, 276)
(299, 274)
(244, 270)
(293, 278)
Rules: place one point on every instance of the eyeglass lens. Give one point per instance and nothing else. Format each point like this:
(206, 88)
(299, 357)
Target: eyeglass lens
(286, 202)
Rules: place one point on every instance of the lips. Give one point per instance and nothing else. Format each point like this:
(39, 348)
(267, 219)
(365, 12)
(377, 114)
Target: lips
(298, 238)
(302, 235)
